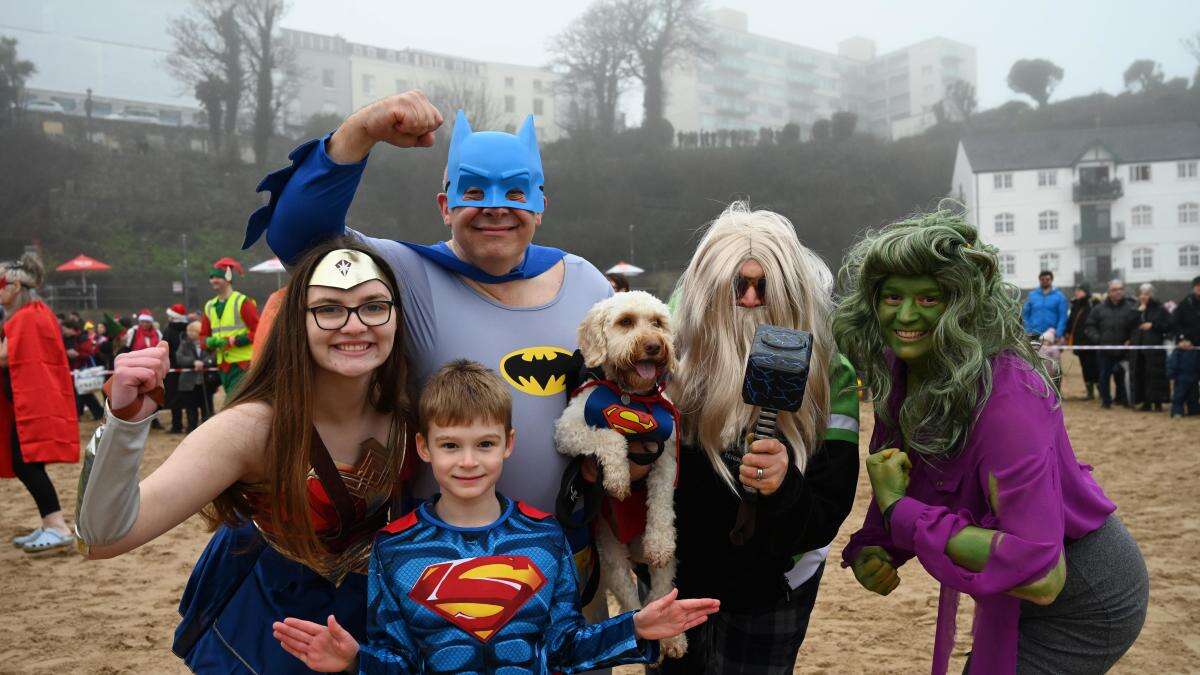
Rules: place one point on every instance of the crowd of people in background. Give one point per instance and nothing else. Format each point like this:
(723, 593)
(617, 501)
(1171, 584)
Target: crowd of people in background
(1138, 352)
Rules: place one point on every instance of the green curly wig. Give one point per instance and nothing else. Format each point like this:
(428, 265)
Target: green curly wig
(982, 319)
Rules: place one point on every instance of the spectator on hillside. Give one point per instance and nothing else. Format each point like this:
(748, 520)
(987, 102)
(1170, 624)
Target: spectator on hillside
(1148, 367)
(1081, 306)
(1045, 308)
(1111, 323)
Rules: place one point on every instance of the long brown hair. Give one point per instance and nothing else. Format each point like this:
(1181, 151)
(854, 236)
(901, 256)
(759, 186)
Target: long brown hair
(282, 377)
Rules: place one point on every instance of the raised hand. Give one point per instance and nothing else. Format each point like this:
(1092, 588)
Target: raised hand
(405, 120)
(874, 570)
(137, 374)
(668, 616)
(888, 471)
(326, 649)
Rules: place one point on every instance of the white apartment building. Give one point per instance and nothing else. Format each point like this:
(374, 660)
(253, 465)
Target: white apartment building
(753, 81)
(342, 76)
(1088, 204)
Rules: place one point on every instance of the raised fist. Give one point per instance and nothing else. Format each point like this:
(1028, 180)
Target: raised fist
(137, 373)
(405, 120)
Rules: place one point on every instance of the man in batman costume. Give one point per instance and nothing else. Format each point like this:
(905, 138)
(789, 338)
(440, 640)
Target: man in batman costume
(487, 293)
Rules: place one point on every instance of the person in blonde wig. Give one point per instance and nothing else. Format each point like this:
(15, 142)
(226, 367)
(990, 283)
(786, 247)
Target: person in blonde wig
(750, 268)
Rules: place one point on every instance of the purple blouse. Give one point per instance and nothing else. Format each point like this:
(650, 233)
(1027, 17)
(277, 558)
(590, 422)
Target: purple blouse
(1045, 497)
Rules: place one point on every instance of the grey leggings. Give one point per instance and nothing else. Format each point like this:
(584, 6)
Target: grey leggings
(1099, 612)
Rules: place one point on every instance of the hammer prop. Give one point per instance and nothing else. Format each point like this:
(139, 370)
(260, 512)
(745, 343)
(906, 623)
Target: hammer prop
(776, 377)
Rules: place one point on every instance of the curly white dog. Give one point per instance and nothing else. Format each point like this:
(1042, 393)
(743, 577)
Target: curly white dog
(628, 339)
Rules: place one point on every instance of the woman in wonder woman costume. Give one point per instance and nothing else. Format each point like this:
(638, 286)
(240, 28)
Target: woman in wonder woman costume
(296, 474)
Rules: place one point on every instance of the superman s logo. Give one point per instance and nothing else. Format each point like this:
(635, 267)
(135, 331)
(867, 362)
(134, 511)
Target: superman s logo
(478, 595)
(538, 371)
(629, 421)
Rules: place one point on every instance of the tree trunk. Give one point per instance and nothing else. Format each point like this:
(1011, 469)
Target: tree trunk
(234, 76)
(654, 97)
(264, 109)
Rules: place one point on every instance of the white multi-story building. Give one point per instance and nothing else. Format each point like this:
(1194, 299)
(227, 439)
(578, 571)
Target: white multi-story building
(751, 81)
(1087, 204)
(342, 76)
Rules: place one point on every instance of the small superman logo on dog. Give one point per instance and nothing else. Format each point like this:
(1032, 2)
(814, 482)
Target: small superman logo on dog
(478, 595)
(538, 371)
(629, 421)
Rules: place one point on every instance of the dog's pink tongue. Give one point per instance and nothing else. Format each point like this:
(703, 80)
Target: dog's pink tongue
(645, 369)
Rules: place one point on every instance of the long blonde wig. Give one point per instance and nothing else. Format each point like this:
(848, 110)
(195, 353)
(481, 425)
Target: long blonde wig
(713, 334)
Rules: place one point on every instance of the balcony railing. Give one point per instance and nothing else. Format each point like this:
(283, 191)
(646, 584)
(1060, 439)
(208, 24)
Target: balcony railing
(1091, 234)
(1097, 279)
(1103, 190)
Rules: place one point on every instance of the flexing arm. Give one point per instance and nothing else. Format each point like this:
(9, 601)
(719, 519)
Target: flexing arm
(311, 197)
(115, 513)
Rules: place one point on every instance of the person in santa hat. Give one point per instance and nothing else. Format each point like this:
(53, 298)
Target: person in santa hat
(230, 321)
(175, 333)
(144, 336)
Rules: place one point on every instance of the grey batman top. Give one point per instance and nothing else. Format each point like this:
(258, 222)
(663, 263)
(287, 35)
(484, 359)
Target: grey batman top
(445, 319)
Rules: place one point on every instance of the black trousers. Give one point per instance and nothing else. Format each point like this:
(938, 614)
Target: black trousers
(89, 401)
(35, 479)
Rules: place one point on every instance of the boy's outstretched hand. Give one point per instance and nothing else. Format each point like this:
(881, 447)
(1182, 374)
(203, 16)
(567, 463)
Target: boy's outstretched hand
(668, 616)
(327, 649)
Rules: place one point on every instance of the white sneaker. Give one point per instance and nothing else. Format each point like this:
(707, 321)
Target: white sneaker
(22, 539)
(48, 540)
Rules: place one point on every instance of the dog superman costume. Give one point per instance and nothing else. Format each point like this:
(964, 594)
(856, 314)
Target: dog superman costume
(498, 598)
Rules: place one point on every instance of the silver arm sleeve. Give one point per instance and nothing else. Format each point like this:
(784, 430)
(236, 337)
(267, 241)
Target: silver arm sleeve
(109, 495)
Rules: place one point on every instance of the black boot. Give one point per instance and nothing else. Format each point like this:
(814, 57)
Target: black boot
(1091, 391)
(1145, 407)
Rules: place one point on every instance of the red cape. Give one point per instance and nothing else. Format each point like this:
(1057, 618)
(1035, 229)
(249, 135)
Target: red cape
(43, 394)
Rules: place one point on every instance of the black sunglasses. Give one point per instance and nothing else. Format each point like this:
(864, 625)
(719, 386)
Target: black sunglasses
(742, 284)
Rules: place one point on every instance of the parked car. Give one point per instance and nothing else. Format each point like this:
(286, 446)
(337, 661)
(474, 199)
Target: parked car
(43, 105)
(133, 114)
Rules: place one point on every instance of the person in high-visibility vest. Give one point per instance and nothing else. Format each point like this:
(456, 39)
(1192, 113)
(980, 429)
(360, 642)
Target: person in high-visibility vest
(229, 323)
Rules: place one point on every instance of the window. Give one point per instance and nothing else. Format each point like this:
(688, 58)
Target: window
(1048, 261)
(368, 84)
(1048, 222)
(1004, 223)
(510, 104)
(537, 106)
(1008, 265)
(1047, 178)
(1143, 258)
(1142, 215)
(1002, 181)
(1189, 213)
(1189, 256)
(1139, 173)
(327, 78)
(401, 86)
(508, 82)
(537, 85)
(1186, 169)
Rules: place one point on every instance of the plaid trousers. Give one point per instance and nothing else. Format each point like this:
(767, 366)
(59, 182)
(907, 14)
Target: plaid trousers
(750, 643)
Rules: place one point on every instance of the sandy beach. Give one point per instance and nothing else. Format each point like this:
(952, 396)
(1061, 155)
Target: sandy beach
(61, 614)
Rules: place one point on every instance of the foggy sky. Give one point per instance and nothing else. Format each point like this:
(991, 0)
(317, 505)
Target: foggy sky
(1094, 41)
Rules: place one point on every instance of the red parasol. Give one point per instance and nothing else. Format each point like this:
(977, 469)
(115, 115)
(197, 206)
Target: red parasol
(82, 263)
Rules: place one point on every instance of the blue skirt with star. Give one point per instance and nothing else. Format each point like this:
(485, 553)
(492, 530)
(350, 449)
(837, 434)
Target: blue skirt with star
(239, 587)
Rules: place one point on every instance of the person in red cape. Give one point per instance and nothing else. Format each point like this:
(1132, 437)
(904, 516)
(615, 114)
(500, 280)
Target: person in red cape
(38, 421)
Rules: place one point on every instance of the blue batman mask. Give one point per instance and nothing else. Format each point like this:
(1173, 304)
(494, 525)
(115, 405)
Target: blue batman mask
(497, 163)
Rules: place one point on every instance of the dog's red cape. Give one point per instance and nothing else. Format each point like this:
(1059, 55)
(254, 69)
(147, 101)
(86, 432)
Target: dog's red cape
(39, 396)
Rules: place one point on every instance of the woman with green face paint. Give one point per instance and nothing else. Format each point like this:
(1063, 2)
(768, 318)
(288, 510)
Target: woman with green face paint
(971, 467)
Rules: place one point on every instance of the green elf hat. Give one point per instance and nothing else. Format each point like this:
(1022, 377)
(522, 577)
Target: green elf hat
(224, 268)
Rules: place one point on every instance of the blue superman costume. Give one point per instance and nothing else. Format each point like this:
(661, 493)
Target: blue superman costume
(498, 598)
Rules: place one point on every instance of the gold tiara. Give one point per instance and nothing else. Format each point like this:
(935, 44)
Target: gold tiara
(344, 269)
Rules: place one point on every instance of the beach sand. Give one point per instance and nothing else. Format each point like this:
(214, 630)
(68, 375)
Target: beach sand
(60, 614)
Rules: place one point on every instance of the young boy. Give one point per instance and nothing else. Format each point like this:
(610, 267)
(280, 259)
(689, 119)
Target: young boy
(471, 581)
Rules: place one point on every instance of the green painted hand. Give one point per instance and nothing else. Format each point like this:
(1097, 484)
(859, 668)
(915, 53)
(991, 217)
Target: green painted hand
(874, 570)
(215, 343)
(888, 471)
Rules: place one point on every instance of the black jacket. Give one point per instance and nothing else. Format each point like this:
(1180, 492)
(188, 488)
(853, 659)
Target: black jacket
(1187, 319)
(1077, 319)
(1111, 324)
(805, 513)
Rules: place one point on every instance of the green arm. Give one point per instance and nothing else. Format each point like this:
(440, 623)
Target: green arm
(972, 547)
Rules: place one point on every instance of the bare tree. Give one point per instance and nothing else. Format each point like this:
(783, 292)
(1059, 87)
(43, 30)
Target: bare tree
(210, 93)
(272, 64)
(469, 94)
(960, 101)
(662, 33)
(1192, 44)
(595, 59)
(208, 49)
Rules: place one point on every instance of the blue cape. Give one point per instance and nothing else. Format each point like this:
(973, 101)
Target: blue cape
(537, 260)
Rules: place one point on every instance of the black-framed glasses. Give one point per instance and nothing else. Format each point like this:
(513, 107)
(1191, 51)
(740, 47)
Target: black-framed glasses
(335, 317)
(742, 284)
